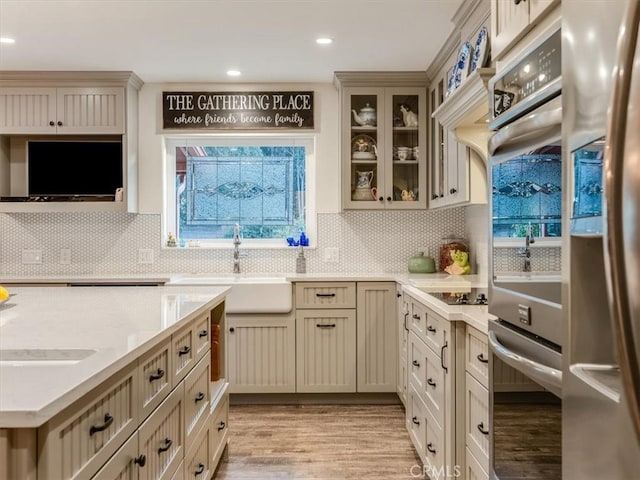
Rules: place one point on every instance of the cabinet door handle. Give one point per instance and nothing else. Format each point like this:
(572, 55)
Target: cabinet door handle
(381, 199)
(108, 420)
(388, 199)
(167, 444)
(431, 383)
(184, 350)
(415, 420)
(203, 333)
(442, 357)
(199, 470)
(405, 321)
(59, 123)
(434, 196)
(325, 325)
(481, 429)
(221, 426)
(140, 460)
(323, 295)
(52, 124)
(232, 329)
(452, 191)
(398, 295)
(430, 447)
(441, 195)
(416, 363)
(431, 329)
(199, 397)
(481, 358)
(156, 376)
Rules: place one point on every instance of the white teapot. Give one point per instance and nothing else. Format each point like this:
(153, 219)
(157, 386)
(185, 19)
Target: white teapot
(366, 117)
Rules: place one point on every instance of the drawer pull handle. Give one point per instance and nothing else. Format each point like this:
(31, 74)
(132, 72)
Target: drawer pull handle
(108, 420)
(431, 329)
(325, 294)
(405, 321)
(184, 350)
(140, 460)
(416, 316)
(203, 333)
(416, 363)
(431, 383)
(481, 358)
(221, 426)
(481, 429)
(156, 376)
(200, 469)
(199, 397)
(444, 367)
(430, 447)
(167, 444)
(325, 325)
(415, 420)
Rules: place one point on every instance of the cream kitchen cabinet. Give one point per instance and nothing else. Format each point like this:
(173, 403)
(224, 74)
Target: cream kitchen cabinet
(512, 19)
(147, 421)
(262, 353)
(377, 350)
(430, 413)
(383, 127)
(66, 110)
(403, 338)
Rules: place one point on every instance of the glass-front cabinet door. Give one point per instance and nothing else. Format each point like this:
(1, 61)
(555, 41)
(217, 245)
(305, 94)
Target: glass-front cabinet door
(383, 148)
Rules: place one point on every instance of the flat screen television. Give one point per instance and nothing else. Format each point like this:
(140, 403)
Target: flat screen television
(73, 168)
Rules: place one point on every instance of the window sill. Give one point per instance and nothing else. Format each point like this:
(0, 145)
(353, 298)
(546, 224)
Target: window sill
(245, 245)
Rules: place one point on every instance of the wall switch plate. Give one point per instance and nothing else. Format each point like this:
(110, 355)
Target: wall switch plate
(65, 256)
(31, 256)
(331, 255)
(145, 255)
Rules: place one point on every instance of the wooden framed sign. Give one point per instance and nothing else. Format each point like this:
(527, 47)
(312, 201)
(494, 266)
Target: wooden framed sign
(237, 110)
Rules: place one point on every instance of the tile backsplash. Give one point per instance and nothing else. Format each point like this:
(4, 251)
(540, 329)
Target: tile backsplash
(108, 243)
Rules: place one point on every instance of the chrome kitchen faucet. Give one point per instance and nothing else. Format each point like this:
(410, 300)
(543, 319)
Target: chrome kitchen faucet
(526, 251)
(236, 248)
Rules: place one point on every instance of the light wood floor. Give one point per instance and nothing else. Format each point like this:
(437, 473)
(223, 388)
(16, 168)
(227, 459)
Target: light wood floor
(322, 442)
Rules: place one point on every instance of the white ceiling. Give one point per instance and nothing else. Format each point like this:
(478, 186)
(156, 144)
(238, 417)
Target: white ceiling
(199, 40)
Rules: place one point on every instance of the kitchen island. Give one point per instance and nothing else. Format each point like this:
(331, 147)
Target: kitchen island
(111, 368)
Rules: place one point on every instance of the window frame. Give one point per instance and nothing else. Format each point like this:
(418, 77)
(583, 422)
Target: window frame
(308, 141)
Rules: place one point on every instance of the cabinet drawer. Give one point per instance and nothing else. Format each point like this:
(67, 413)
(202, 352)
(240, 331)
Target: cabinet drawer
(427, 376)
(434, 444)
(219, 429)
(197, 462)
(477, 420)
(197, 396)
(473, 470)
(79, 440)
(326, 295)
(161, 438)
(124, 464)
(435, 331)
(154, 377)
(183, 347)
(416, 421)
(202, 335)
(477, 355)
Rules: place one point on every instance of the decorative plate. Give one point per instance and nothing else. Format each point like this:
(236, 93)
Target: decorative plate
(363, 147)
(450, 87)
(480, 50)
(462, 65)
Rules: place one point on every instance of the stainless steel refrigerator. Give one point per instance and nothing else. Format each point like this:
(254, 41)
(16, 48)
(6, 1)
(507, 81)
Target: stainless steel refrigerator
(601, 258)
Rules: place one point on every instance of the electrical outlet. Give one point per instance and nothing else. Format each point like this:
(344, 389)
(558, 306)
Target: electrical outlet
(331, 255)
(145, 255)
(65, 256)
(31, 256)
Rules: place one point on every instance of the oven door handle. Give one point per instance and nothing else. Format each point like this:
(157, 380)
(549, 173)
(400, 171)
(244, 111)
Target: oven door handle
(534, 129)
(548, 377)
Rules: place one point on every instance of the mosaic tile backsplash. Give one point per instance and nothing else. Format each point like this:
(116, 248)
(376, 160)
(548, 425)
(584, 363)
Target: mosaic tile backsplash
(108, 243)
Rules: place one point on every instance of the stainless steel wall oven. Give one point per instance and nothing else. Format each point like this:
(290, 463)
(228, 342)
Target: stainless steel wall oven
(525, 171)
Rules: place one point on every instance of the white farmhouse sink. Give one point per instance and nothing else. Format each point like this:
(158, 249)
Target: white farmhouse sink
(249, 293)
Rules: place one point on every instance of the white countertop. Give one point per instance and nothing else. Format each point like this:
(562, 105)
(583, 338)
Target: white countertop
(119, 323)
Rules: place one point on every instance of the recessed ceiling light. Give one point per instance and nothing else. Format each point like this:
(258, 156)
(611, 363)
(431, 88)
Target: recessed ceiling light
(7, 40)
(233, 73)
(324, 41)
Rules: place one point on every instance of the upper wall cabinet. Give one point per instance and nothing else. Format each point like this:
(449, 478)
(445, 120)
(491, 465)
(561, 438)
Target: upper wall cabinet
(61, 111)
(383, 125)
(39, 110)
(512, 19)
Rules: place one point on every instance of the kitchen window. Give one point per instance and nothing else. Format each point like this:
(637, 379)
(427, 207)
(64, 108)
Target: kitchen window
(258, 182)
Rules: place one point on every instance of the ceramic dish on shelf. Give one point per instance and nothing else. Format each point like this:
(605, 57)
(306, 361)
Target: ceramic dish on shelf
(462, 65)
(450, 87)
(363, 147)
(480, 50)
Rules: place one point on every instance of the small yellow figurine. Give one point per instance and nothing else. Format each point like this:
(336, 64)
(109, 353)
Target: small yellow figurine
(171, 241)
(460, 265)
